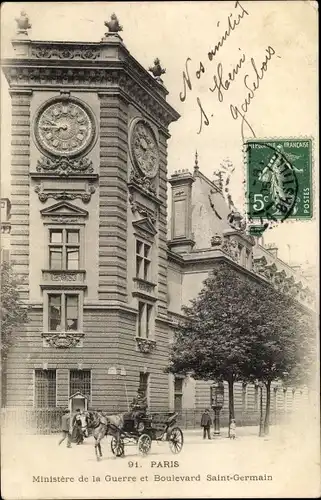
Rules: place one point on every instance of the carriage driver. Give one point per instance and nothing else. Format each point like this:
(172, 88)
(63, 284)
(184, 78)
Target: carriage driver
(138, 406)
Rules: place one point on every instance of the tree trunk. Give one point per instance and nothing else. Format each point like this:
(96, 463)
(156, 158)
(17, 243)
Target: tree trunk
(267, 408)
(230, 401)
(261, 428)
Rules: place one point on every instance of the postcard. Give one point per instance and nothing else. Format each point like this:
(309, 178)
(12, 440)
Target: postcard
(159, 250)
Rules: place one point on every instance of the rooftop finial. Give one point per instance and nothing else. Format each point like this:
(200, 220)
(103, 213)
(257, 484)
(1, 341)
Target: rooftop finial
(196, 167)
(157, 70)
(23, 24)
(113, 25)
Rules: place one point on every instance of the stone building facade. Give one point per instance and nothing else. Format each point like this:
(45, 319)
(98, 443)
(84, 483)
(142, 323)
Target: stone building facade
(204, 229)
(104, 284)
(5, 229)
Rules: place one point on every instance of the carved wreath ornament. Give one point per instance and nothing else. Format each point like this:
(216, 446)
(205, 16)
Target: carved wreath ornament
(145, 345)
(63, 340)
(64, 166)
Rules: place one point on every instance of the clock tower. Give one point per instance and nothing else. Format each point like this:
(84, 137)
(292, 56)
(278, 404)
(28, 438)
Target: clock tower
(89, 222)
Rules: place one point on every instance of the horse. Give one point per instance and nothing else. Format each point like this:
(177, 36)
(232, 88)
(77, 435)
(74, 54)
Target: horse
(103, 425)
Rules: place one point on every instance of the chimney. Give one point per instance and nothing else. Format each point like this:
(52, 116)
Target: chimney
(273, 249)
(181, 226)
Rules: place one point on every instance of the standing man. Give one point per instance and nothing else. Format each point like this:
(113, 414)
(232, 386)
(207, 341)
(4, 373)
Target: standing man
(65, 428)
(77, 425)
(139, 406)
(206, 423)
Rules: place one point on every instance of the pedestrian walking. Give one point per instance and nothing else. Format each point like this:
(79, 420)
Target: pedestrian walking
(65, 428)
(77, 427)
(232, 429)
(206, 423)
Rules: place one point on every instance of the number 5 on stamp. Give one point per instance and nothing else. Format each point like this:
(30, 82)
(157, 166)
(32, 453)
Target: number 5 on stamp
(279, 179)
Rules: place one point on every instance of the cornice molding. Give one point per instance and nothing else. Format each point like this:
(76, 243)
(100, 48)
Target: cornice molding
(111, 75)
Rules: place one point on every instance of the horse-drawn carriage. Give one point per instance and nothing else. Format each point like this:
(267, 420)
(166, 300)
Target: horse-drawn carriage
(149, 428)
(127, 430)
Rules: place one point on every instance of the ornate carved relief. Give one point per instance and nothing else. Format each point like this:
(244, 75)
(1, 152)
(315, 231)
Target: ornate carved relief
(145, 183)
(63, 275)
(142, 210)
(145, 345)
(62, 52)
(279, 278)
(65, 194)
(259, 265)
(64, 167)
(63, 340)
(216, 240)
(230, 246)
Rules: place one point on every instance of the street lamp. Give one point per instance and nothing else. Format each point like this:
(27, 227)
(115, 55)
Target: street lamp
(217, 402)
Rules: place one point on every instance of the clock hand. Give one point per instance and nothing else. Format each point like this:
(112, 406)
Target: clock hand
(46, 127)
(58, 127)
(49, 121)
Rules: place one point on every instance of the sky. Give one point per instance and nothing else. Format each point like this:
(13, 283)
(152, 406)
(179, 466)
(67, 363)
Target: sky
(181, 34)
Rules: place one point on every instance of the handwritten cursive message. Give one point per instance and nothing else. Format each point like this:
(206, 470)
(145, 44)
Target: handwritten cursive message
(222, 80)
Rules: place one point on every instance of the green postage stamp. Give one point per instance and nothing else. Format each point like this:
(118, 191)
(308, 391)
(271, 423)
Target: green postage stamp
(279, 179)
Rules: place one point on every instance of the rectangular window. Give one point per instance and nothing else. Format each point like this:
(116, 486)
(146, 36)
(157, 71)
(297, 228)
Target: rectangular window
(54, 315)
(45, 388)
(143, 383)
(145, 312)
(80, 380)
(244, 397)
(141, 310)
(64, 249)
(256, 397)
(5, 255)
(178, 394)
(63, 312)
(143, 260)
(149, 309)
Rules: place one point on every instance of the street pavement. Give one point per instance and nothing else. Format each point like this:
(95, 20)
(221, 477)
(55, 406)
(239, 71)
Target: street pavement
(284, 464)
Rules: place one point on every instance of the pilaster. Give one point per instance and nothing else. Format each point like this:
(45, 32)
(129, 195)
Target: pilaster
(113, 198)
(20, 166)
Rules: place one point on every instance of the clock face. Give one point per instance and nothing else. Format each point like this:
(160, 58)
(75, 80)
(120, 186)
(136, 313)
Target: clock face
(64, 128)
(145, 149)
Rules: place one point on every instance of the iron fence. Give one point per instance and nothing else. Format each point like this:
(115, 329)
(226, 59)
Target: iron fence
(48, 420)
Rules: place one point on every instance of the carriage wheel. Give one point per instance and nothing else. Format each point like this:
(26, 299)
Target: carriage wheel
(144, 444)
(176, 440)
(117, 447)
